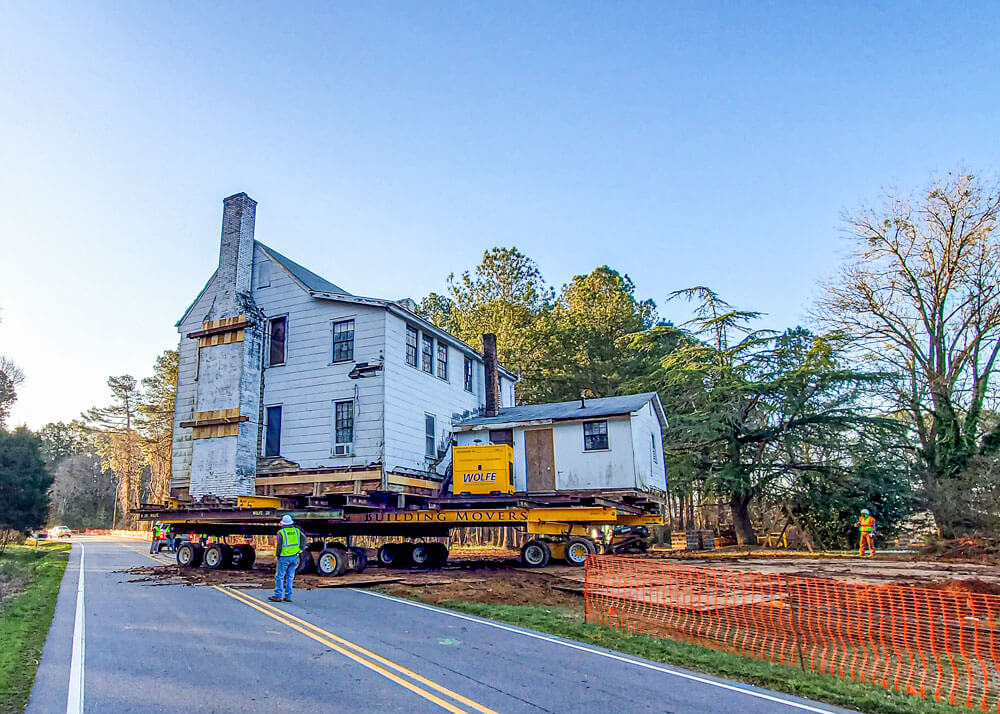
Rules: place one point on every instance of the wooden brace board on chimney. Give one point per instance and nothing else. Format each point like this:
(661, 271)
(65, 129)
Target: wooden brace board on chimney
(215, 423)
(220, 332)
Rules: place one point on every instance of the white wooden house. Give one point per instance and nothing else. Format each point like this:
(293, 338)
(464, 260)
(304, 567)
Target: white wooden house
(593, 444)
(290, 384)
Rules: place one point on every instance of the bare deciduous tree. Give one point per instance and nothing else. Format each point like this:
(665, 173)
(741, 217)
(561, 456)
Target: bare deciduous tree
(921, 297)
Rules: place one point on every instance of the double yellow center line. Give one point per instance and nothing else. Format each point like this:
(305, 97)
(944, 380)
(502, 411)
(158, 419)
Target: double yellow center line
(397, 673)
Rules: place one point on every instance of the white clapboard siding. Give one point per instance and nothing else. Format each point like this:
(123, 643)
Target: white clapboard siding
(647, 443)
(411, 393)
(309, 383)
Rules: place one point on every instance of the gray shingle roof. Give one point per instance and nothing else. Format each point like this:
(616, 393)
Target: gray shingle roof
(561, 411)
(303, 275)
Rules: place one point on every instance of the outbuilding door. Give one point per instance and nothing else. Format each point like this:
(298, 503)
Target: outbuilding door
(539, 460)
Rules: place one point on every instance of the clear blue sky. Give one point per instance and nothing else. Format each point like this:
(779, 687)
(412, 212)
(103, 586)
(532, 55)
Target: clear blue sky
(390, 144)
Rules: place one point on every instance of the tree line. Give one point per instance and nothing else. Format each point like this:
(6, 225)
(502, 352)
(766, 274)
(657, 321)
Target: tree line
(886, 400)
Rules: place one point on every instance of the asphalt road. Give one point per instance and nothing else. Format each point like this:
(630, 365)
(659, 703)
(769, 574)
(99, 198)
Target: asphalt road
(148, 648)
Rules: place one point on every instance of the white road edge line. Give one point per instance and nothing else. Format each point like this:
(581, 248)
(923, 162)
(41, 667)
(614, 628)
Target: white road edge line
(609, 655)
(74, 699)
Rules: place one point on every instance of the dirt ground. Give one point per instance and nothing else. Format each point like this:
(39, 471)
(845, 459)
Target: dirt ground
(496, 576)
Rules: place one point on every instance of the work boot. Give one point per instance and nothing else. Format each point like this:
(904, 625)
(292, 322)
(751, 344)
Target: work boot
(277, 599)
(287, 599)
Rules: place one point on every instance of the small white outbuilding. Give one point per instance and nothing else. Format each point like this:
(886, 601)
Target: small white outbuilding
(588, 444)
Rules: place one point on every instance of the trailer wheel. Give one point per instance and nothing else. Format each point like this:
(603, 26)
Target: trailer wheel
(439, 554)
(244, 556)
(421, 555)
(535, 554)
(217, 556)
(331, 562)
(189, 555)
(306, 563)
(393, 555)
(577, 550)
(360, 559)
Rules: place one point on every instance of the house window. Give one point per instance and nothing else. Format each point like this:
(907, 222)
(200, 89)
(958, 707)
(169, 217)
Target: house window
(427, 354)
(278, 333)
(430, 443)
(263, 274)
(411, 346)
(652, 442)
(272, 433)
(343, 341)
(595, 436)
(343, 422)
(442, 360)
(468, 374)
(197, 365)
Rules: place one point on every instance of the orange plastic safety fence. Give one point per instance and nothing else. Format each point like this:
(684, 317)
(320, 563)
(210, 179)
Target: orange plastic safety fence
(936, 644)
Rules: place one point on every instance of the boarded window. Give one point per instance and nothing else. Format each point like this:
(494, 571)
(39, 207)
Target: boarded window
(344, 422)
(278, 332)
(411, 346)
(595, 436)
(442, 360)
(468, 374)
(427, 354)
(430, 444)
(343, 341)
(272, 435)
(502, 436)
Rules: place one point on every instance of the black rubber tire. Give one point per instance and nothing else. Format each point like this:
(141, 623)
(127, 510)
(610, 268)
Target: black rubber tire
(394, 555)
(244, 556)
(439, 555)
(217, 556)
(189, 555)
(422, 555)
(332, 562)
(536, 554)
(577, 550)
(360, 559)
(306, 563)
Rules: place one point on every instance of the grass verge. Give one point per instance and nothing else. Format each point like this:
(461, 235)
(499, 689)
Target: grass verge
(25, 619)
(568, 623)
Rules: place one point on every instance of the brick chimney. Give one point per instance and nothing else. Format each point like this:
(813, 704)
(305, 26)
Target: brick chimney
(492, 374)
(236, 251)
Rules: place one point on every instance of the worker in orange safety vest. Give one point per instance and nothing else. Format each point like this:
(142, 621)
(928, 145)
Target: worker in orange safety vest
(866, 524)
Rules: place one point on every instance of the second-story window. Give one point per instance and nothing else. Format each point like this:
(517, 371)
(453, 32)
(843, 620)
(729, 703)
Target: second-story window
(411, 346)
(467, 375)
(343, 341)
(430, 444)
(276, 353)
(427, 354)
(442, 360)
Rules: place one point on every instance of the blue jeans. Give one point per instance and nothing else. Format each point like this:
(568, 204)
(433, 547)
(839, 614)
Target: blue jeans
(284, 575)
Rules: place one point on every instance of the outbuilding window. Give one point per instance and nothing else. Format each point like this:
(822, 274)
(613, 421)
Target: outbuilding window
(595, 436)
(343, 341)
(411, 346)
(276, 353)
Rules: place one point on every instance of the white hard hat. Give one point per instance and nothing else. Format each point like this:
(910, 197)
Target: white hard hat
(863, 510)
(286, 520)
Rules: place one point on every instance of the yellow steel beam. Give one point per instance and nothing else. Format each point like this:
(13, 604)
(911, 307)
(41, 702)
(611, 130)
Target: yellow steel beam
(555, 529)
(258, 502)
(640, 521)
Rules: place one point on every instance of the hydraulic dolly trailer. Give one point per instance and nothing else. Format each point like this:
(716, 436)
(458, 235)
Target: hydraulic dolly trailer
(562, 527)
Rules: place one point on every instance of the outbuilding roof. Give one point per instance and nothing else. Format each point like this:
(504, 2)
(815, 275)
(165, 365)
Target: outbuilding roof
(563, 411)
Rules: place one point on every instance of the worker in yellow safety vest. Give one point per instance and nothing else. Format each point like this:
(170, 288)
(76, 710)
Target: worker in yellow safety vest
(287, 547)
(866, 524)
(154, 544)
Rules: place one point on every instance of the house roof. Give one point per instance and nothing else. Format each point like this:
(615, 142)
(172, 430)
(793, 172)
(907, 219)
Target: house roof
(563, 411)
(308, 278)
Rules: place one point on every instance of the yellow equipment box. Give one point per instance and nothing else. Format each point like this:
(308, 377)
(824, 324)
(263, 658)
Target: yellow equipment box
(482, 469)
